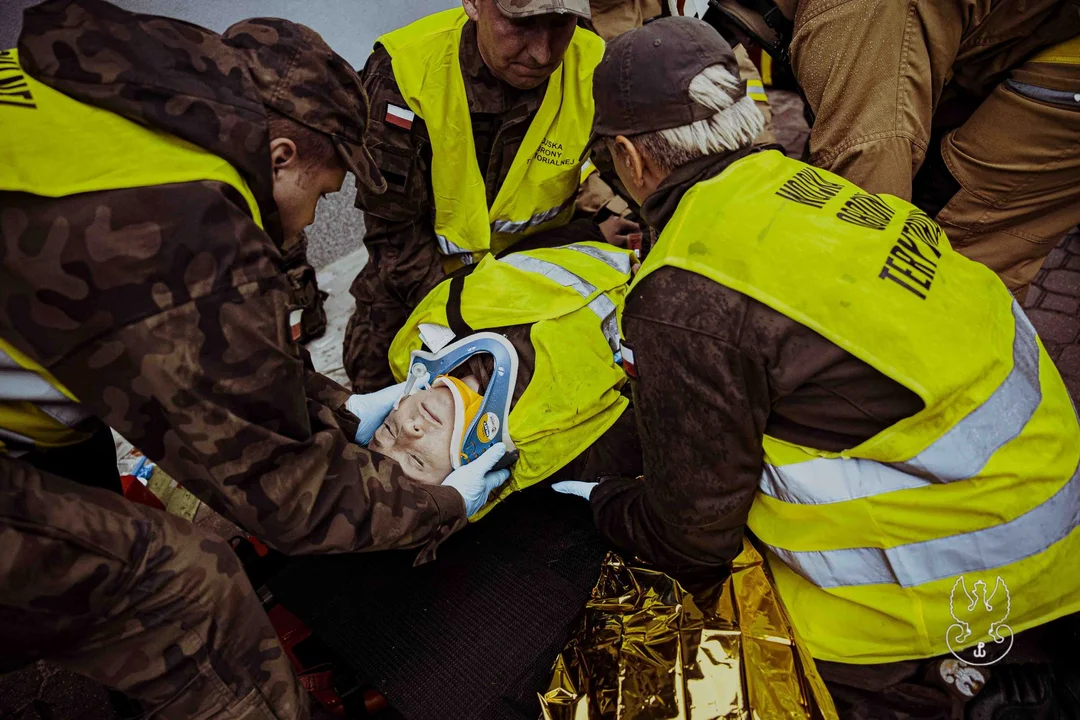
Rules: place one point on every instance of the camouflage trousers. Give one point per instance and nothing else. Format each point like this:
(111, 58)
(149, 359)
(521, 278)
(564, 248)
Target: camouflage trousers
(135, 599)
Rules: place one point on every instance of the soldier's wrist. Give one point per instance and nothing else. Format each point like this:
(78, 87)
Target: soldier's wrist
(449, 501)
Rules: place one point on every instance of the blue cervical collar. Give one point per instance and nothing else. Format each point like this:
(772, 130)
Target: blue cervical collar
(495, 409)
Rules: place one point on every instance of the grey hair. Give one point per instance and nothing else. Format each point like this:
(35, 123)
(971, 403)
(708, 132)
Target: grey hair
(734, 126)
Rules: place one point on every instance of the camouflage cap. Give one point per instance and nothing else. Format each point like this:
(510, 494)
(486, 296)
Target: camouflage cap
(300, 76)
(528, 8)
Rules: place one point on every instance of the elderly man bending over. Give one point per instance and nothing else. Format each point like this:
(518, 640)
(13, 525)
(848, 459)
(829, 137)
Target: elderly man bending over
(815, 363)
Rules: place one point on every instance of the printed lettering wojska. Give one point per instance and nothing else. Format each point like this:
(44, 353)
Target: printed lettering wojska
(13, 87)
(551, 153)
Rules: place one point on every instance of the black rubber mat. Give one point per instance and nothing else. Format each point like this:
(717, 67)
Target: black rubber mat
(471, 635)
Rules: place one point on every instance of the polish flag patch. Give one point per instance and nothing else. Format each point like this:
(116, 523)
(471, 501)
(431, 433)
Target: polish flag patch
(628, 360)
(399, 116)
(296, 328)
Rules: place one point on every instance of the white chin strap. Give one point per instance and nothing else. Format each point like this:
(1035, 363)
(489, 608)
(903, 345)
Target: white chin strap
(419, 379)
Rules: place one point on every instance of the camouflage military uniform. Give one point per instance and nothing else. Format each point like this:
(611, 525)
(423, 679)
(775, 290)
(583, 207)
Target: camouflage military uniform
(136, 599)
(405, 263)
(163, 309)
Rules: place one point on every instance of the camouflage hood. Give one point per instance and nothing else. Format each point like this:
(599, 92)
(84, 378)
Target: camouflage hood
(164, 73)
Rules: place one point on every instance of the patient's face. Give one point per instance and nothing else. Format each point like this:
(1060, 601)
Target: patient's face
(417, 435)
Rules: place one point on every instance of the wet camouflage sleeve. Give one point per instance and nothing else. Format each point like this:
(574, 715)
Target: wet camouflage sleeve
(136, 599)
(700, 428)
(164, 311)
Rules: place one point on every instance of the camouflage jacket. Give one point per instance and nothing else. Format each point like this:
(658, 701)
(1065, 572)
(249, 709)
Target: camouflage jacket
(164, 309)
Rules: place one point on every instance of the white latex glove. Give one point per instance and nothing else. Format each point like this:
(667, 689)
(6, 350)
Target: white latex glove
(372, 409)
(575, 487)
(475, 481)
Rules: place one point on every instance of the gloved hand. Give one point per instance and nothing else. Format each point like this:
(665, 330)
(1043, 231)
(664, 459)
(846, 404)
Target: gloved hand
(372, 409)
(475, 482)
(575, 487)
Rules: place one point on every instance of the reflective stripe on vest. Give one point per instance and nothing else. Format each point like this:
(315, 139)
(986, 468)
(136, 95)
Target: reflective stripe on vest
(756, 90)
(959, 454)
(616, 260)
(516, 227)
(542, 181)
(34, 409)
(587, 169)
(917, 563)
(18, 384)
(448, 248)
(601, 304)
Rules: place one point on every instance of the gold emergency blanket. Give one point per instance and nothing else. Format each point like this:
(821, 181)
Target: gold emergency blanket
(647, 650)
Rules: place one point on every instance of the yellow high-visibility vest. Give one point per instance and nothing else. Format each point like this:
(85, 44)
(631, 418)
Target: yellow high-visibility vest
(54, 146)
(539, 189)
(572, 297)
(866, 545)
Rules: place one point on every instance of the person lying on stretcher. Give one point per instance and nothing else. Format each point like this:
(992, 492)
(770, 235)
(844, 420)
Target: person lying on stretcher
(520, 349)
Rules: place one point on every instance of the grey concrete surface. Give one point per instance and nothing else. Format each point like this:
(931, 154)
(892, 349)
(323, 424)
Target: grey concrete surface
(338, 228)
(45, 692)
(335, 278)
(350, 26)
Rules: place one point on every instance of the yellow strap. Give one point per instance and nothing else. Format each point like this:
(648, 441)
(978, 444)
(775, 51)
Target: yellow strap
(766, 68)
(1066, 53)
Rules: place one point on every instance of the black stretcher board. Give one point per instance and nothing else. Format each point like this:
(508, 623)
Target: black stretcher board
(471, 635)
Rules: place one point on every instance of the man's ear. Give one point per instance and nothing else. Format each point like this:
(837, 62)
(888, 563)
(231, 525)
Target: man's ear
(472, 9)
(282, 153)
(635, 162)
